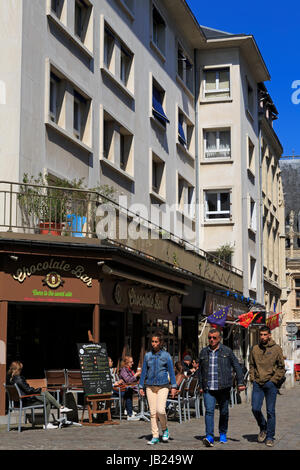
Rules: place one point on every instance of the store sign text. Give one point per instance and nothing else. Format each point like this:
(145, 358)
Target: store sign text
(145, 300)
(49, 293)
(27, 271)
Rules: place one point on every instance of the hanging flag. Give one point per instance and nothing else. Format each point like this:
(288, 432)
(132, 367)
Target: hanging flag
(219, 318)
(273, 321)
(260, 318)
(246, 318)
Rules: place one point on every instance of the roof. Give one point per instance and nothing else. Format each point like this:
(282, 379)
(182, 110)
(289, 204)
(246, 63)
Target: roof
(212, 33)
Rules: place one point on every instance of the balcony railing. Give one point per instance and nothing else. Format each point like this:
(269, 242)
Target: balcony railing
(67, 212)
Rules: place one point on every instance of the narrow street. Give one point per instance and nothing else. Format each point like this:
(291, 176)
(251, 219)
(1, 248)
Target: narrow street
(186, 436)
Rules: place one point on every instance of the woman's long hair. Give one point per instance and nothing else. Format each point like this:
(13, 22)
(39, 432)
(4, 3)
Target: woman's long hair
(15, 368)
(179, 368)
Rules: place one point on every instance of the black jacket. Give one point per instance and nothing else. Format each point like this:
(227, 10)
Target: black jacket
(226, 361)
(24, 387)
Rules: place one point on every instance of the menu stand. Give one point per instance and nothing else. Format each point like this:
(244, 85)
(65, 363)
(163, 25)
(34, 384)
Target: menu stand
(91, 402)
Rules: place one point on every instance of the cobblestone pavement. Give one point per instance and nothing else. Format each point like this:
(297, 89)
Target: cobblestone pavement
(133, 435)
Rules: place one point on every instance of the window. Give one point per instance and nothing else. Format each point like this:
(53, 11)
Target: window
(253, 275)
(184, 68)
(185, 196)
(158, 30)
(109, 42)
(79, 114)
(297, 291)
(158, 96)
(217, 205)
(217, 144)
(126, 62)
(117, 144)
(252, 221)
(250, 99)
(80, 16)
(185, 132)
(53, 102)
(217, 83)
(251, 156)
(118, 59)
(56, 6)
(158, 176)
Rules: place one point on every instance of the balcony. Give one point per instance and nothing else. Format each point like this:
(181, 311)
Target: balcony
(56, 214)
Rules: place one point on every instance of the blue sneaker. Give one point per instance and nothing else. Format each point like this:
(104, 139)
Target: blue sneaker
(165, 436)
(208, 441)
(223, 438)
(153, 441)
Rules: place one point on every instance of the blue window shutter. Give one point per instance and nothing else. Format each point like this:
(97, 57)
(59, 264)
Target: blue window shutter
(158, 110)
(181, 135)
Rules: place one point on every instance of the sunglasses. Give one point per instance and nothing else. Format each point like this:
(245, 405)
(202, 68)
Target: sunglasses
(212, 337)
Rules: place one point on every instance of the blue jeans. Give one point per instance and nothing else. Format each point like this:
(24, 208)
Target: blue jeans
(127, 395)
(211, 397)
(259, 392)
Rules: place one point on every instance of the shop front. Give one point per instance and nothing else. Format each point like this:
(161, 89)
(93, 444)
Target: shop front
(50, 301)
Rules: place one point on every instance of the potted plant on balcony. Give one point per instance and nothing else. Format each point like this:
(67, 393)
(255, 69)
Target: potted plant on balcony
(47, 203)
(61, 205)
(224, 254)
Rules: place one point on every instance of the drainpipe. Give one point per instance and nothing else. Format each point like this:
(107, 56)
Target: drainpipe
(262, 300)
(197, 214)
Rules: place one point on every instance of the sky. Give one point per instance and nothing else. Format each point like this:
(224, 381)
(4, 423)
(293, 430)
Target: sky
(276, 29)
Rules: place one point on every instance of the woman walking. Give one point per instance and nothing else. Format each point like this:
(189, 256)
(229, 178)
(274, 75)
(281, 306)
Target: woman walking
(157, 368)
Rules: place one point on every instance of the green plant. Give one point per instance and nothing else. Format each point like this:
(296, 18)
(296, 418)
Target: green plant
(42, 197)
(225, 252)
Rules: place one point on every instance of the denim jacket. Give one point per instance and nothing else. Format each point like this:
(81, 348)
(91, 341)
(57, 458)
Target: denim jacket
(156, 368)
(226, 361)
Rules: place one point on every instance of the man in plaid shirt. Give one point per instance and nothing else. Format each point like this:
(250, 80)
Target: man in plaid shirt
(216, 362)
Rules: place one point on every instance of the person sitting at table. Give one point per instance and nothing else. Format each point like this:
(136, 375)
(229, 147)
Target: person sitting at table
(14, 377)
(126, 392)
(179, 373)
(127, 373)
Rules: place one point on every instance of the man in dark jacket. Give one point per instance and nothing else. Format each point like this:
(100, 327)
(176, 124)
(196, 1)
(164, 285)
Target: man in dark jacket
(266, 371)
(215, 381)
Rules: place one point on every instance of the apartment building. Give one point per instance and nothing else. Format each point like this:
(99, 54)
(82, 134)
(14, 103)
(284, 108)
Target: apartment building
(290, 170)
(136, 96)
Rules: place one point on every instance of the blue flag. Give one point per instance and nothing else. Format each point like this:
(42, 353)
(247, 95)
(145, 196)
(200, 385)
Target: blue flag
(219, 317)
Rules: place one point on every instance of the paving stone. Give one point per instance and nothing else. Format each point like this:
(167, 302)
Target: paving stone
(134, 435)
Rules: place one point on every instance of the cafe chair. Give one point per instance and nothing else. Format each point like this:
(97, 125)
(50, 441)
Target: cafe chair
(15, 398)
(192, 395)
(56, 382)
(74, 381)
(118, 400)
(178, 403)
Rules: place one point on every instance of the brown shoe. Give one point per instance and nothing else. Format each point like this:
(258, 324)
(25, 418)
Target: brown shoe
(262, 436)
(270, 443)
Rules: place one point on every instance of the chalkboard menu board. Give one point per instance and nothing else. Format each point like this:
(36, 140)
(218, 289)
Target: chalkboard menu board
(94, 368)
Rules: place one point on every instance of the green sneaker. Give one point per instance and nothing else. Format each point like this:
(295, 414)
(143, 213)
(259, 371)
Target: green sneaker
(165, 436)
(153, 441)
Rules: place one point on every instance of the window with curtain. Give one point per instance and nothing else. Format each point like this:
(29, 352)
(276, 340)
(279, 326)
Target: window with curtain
(217, 143)
(216, 83)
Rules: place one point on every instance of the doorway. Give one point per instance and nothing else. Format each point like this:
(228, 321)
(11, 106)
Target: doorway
(44, 336)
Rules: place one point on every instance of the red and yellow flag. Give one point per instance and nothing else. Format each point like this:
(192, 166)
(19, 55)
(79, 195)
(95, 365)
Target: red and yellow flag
(273, 321)
(246, 318)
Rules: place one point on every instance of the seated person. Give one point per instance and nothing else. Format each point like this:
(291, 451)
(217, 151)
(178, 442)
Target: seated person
(195, 366)
(187, 365)
(179, 373)
(127, 374)
(14, 377)
(126, 392)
